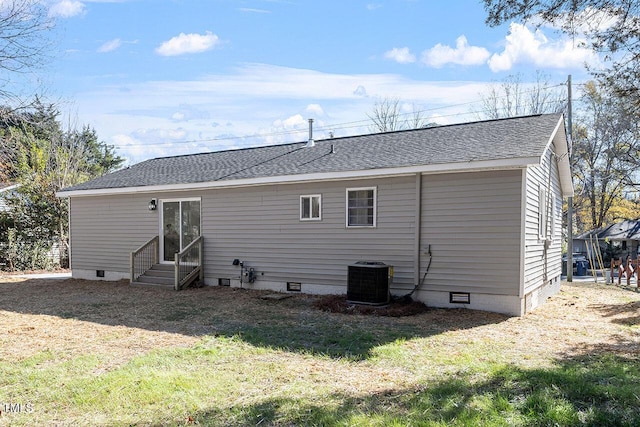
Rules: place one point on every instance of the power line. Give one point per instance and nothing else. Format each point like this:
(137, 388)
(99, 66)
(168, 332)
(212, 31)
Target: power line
(338, 126)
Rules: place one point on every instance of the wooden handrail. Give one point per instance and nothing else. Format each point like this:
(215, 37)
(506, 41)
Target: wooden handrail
(196, 241)
(180, 281)
(156, 254)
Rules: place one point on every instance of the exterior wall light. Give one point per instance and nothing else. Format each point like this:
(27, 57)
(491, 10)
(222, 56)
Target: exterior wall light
(153, 205)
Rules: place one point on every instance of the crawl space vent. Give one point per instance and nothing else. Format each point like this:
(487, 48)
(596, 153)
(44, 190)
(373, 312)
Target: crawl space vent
(459, 298)
(369, 282)
(294, 286)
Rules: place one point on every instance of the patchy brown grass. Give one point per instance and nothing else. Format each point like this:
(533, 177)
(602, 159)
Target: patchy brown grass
(251, 352)
(116, 319)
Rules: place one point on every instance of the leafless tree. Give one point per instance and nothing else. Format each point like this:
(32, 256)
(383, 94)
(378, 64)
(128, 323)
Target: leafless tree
(24, 42)
(605, 149)
(387, 116)
(610, 27)
(511, 97)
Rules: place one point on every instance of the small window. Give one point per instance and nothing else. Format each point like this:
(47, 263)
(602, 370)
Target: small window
(310, 208)
(361, 207)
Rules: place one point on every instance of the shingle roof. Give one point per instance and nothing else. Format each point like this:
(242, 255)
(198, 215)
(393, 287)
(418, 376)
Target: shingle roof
(521, 137)
(623, 230)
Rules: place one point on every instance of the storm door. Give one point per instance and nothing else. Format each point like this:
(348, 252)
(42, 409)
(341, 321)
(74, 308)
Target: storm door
(180, 223)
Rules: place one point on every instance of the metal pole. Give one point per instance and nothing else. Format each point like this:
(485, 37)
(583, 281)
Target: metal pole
(569, 199)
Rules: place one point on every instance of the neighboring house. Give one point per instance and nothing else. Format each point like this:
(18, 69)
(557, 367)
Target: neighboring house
(483, 198)
(6, 190)
(623, 237)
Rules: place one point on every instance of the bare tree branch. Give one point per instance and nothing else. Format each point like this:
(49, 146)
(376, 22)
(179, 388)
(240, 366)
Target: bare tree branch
(513, 98)
(387, 116)
(611, 27)
(24, 42)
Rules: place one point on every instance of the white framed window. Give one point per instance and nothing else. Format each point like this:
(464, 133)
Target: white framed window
(542, 212)
(361, 207)
(311, 207)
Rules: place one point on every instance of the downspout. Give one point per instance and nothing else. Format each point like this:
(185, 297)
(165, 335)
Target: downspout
(69, 235)
(523, 233)
(418, 231)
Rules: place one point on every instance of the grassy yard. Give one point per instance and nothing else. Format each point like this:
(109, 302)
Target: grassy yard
(94, 353)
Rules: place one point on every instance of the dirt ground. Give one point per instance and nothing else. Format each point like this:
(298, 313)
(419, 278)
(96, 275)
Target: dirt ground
(72, 317)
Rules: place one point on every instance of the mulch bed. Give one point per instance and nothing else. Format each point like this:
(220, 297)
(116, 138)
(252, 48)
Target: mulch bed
(396, 308)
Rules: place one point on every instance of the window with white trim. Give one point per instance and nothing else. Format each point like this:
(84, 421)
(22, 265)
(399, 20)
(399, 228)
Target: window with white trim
(361, 207)
(311, 207)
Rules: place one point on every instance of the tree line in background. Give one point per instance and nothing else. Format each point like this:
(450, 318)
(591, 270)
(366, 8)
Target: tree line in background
(42, 157)
(38, 155)
(605, 139)
(605, 155)
(605, 152)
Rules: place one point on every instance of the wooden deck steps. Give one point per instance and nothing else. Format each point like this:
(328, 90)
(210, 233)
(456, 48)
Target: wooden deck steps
(160, 276)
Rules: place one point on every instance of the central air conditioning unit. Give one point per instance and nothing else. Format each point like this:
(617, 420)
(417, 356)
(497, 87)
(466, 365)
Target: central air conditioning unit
(369, 282)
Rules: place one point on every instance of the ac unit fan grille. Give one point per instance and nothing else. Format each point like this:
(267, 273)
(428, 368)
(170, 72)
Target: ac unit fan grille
(368, 284)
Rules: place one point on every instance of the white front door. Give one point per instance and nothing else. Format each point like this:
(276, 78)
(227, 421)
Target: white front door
(180, 223)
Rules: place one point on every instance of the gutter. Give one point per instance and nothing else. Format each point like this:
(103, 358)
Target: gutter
(473, 166)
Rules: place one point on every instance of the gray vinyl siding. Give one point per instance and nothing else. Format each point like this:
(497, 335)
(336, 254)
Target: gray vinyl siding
(105, 229)
(542, 265)
(261, 226)
(472, 222)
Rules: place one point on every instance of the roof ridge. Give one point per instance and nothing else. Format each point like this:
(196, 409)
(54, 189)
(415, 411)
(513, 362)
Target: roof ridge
(499, 119)
(229, 150)
(398, 131)
(500, 141)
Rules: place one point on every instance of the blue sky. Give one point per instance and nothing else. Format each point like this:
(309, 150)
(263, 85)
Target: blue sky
(166, 77)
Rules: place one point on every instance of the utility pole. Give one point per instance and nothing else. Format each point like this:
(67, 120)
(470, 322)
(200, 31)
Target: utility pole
(569, 199)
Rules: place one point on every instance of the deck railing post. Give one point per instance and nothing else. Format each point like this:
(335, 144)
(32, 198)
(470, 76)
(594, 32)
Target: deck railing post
(142, 258)
(176, 261)
(184, 260)
(200, 265)
(156, 254)
(132, 261)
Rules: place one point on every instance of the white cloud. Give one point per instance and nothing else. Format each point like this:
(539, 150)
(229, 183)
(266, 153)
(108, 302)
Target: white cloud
(587, 20)
(110, 46)
(250, 10)
(256, 100)
(188, 43)
(314, 109)
(293, 122)
(373, 6)
(66, 8)
(361, 91)
(153, 135)
(462, 54)
(400, 55)
(526, 47)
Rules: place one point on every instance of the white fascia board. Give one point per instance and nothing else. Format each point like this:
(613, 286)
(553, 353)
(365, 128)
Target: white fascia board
(512, 163)
(562, 158)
